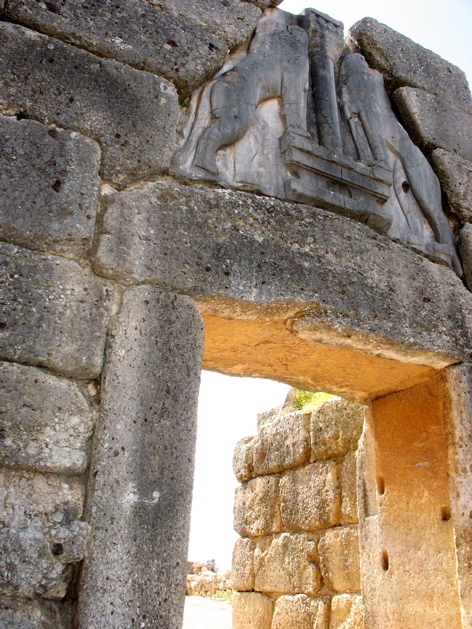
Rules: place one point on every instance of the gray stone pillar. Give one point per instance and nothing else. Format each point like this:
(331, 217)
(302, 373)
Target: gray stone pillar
(142, 465)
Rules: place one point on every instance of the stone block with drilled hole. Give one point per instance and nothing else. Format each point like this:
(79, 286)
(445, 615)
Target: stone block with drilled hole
(131, 114)
(302, 612)
(287, 564)
(310, 497)
(243, 459)
(252, 610)
(257, 507)
(130, 31)
(335, 428)
(347, 612)
(49, 187)
(339, 559)
(18, 613)
(349, 511)
(455, 174)
(433, 122)
(46, 423)
(242, 571)
(52, 313)
(283, 444)
(403, 62)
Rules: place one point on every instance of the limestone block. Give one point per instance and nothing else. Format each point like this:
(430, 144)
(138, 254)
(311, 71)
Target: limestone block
(142, 464)
(349, 511)
(257, 508)
(310, 497)
(243, 459)
(231, 20)
(49, 187)
(53, 314)
(252, 610)
(455, 174)
(17, 613)
(264, 4)
(347, 612)
(267, 417)
(335, 427)
(242, 571)
(46, 422)
(130, 31)
(339, 559)
(302, 612)
(465, 248)
(131, 114)
(433, 122)
(288, 564)
(405, 63)
(283, 444)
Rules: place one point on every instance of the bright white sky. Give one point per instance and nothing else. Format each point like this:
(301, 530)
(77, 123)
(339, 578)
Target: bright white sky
(228, 406)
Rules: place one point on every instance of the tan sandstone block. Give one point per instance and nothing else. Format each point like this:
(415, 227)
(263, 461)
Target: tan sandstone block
(256, 507)
(301, 612)
(349, 512)
(347, 612)
(252, 610)
(310, 497)
(287, 564)
(336, 427)
(243, 459)
(339, 559)
(242, 573)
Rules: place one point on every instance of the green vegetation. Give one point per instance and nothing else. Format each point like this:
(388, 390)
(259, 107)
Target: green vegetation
(304, 399)
(227, 596)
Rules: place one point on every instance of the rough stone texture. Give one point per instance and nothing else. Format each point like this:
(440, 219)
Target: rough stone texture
(41, 533)
(142, 465)
(231, 20)
(236, 244)
(45, 422)
(349, 511)
(434, 123)
(287, 564)
(52, 314)
(465, 248)
(455, 174)
(18, 613)
(243, 459)
(347, 612)
(283, 444)
(264, 4)
(339, 559)
(252, 610)
(130, 31)
(335, 429)
(405, 63)
(131, 114)
(256, 507)
(310, 497)
(242, 571)
(302, 612)
(49, 187)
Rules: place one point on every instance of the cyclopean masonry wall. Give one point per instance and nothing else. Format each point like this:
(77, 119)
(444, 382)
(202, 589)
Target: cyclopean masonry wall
(128, 212)
(298, 555)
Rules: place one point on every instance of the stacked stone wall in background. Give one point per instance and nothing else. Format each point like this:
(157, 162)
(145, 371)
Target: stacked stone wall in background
(297, 560)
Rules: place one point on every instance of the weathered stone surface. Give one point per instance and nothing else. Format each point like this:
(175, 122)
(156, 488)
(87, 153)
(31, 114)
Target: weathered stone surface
(434, 122)
(252, 610)
(349, 511)
(17, 613)
(310, 497)
(236, 244)
(283, 444)
(339, 559)
(405, 63)
(335, 428)
(264, 4)
(243, 459)
(455, 174)
(53, 315)
(231, 20)
(465, 248)
(287, 564)
(142, 465)
(257, 508)
(302, 612)
(45, 422)
(131, 114)
(347, 612)
(130, 31)
(242, 571)
(49, 187)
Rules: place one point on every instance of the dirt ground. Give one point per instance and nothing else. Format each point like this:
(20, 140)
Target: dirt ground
(206, 613)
